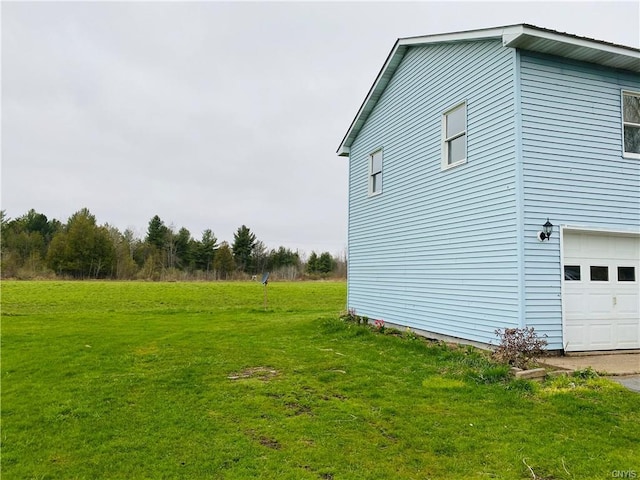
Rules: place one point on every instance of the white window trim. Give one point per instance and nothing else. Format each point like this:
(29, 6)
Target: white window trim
(444, 164)
(370, 178)
(622, 94)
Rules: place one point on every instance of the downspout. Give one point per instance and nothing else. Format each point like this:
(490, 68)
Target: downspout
(519, 192)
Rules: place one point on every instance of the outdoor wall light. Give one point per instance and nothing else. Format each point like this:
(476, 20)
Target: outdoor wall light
(547, 229)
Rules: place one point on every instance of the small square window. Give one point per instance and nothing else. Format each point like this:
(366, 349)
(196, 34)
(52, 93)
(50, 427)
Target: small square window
(375, 172)
(631, 124)
(572, 272)
(599, 274)
(626, 274)
(454, 136)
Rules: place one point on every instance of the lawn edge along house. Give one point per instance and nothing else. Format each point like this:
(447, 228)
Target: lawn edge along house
(469, 146)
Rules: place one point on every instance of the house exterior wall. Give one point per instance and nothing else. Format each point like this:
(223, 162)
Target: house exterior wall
(572, 168)
(437, 250)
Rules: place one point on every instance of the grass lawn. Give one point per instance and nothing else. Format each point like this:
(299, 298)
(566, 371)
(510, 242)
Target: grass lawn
(110, 380)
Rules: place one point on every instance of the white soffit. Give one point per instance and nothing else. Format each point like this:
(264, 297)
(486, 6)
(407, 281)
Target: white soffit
(570, 46)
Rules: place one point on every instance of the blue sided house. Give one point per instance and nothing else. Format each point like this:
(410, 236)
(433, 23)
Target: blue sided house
(494, 182)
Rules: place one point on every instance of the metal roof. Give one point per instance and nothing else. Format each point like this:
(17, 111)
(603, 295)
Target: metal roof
(523, 36)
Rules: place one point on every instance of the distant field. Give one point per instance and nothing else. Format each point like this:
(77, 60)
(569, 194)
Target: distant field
(117, 380)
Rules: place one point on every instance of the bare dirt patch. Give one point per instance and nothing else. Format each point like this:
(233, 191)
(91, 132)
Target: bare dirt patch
(270, 443)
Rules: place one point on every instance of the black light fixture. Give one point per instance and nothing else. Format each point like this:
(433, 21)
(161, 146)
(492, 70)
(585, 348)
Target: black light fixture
(547, 229)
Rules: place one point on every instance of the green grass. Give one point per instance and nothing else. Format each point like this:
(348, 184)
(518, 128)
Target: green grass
(117, 380)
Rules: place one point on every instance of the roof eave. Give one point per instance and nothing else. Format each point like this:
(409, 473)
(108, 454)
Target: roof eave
(569, 46)
(343, 151)
(381, 82)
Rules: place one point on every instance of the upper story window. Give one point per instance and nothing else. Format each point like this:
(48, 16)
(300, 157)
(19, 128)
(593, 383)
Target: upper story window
(631, 124)
(375, 172)
(454, 136)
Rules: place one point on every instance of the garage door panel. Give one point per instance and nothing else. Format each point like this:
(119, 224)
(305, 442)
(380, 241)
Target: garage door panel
(576, 302)
(627, 334)
(627, 304)
(600, 335)
(624, 248)
(599, 303)
(602, 308)
(627, 329)
(576, 333)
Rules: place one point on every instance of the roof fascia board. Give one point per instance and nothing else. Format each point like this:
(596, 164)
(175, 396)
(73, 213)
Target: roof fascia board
(380, 83)
(343, 151)
(455, 37)
(510, 36)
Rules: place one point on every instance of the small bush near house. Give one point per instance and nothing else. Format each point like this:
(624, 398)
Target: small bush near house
(519, 347)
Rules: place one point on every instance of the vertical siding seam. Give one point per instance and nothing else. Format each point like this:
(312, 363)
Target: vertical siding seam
(519, 194)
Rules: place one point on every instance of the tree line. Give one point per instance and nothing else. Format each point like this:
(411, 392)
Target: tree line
(32, 246)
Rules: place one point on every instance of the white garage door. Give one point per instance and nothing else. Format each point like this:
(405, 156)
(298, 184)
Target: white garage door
(601, 294)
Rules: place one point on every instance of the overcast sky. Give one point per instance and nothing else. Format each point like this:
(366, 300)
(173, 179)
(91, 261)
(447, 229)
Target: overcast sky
(211, 114)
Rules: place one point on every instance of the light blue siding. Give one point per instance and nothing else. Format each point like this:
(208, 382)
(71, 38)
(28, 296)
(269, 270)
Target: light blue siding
(437, 250)
(573, 168)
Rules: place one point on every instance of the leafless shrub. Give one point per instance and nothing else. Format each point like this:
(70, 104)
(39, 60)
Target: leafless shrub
(519, 347)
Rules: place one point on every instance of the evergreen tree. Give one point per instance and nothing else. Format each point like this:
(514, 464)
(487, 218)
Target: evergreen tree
(38, 222)
(161, 252)
(325, 263)
(244, 242)
(223, 262)
(205, 251)
(183, 247)
(312, 263)
(283, 257)
(157, 233)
